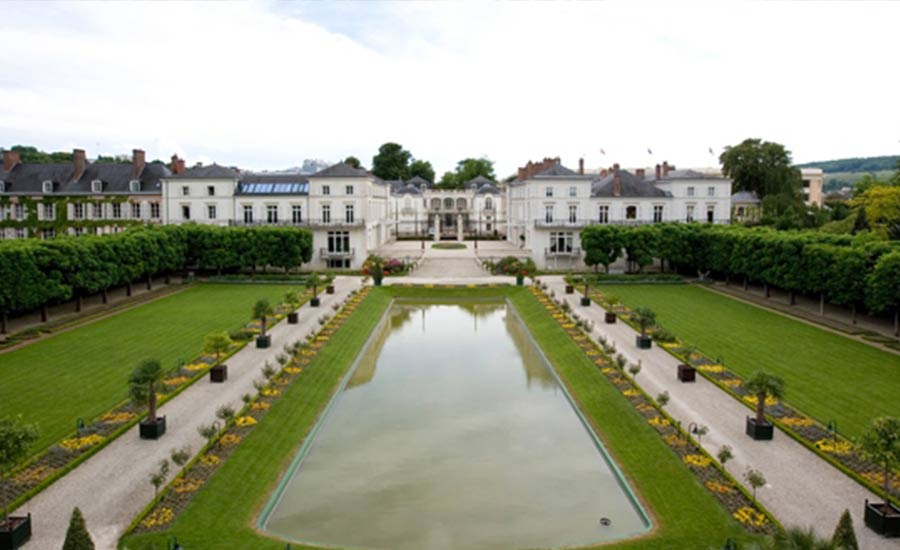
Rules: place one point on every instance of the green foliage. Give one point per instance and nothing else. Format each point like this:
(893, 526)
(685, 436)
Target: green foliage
(353, 161)
(466, 170)
(725, 454)
(844, 537)
(645, 318)
(796, 538)
(880, 443)
(261, 310)
(217, 343)
(422, 169)
(883, 283)
(755, 479)
(764, 385)
(761, 167)
(142, 385)
(856, 164)
(391, 162)
(15, 439)
(32, 155)
(180, 456)
(602, 244)
(882, 210)
(77, 536)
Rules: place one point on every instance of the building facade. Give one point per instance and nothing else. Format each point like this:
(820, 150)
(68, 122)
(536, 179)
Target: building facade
(813, 181)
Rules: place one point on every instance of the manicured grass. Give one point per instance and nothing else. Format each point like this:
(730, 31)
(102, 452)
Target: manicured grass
(826, 375)
(84, 372)
(224, 512)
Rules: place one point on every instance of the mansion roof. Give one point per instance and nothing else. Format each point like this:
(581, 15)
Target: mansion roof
(114, 178)
(210, 171)
(341, 170)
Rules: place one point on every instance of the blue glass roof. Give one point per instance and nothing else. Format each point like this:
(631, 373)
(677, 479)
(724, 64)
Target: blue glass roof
(274, 188)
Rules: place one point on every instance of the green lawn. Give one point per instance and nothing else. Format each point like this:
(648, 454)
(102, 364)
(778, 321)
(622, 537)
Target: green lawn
(222, 516)
(83, 372)
(826, 375)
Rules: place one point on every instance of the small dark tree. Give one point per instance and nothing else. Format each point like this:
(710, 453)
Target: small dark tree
(77, 537)
(261, 310)
(844, 537)
(217, 343)
(755, 479)
(143, 383)
(15, 440)
(158, 478)
(645, 318)
(724, 454)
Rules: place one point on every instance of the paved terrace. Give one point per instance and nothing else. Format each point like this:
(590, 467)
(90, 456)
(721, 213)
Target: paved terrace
(113, 486)
(802, 489)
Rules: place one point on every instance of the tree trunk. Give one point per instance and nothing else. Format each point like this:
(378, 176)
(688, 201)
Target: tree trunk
(768, 292)
(168, 279)
(745, 283)
(853, 314)
(44, 313)
(4, 321)
(896, 321)
(793, 297)
(128, 289)
(760, 409)
(77, 302)
(104, 296)
(822, 304)
(726, 279)
(262, 324)
(151, 405)
(149, 282)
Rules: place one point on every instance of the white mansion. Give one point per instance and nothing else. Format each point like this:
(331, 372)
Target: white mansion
(350, 211)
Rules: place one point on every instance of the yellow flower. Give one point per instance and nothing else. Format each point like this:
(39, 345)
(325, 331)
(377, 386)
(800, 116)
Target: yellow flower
(78, 443)
(159, 517)
(750, 516)
(260, 405)
(592, 352)
(229, 439)
(770, 401)
(196, 366)
(185, 485)
(607, 370)
(307, 352)
(659, 422)
(270, 392)
(33, 475)
(177, 381)
(579, 337)
(717, 487)
(568, 325)
(674, 440)
(210, 460)
(712, 368)
(877, 478)
(293, 370)
(796, 421)
(834, 447)
(243, 421)
(117, 417)
(701, 461)
(670, 345)
(732, 382)
(645, 407)
(630, 393)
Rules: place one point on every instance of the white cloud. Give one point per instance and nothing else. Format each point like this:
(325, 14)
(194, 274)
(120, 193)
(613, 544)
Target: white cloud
(262, 86)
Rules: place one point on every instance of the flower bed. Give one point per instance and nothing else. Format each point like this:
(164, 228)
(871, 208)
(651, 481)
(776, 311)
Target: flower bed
(49, 465)
(178, 494)
(752, 516)
(829, 445)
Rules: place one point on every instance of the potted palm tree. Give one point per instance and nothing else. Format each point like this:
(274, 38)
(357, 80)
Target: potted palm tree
(610, 315)
(329, 284)
(686, 371)
(586, 300)
(291, 299)
(645, 318)
(881, 444)
(142, 383)
(313, 281)
(15, 441)
(570, 284)
(217, 343)
(261, 310)
(763, 385)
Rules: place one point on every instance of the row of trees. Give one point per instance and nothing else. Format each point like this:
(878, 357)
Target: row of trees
(841, 269)
(35, 273)
(393, 162)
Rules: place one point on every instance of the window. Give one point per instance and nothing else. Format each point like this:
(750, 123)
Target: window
(573, 191)
(297, 213)
(185, 212)
(448, 203)
(134, 186)
(348, 213)
(48, 211)
(549, 192)
(710, 191)
(97, 211)
(338, 241)
(211, 211)
(561, 241)
(271, 213)
(211, 190)
(136, 210)
(117, 210)
(248, 213)
(573, 213)
(20, 233)
(710, 213)
(690, 191)
(604, 214)
(657, 213)
(49, 233)
(631, 212)
(77, 211)
(349, 189)
(326, 213)
(154, 210)
(48, 186)
(689, 213)
(185, 191)
(407, 203)
(548, 213)
(96, 186)
(326, 189)
(488, 204)
(78, 231)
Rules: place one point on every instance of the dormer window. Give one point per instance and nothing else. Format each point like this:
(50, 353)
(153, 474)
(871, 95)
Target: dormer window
(96, 186)
(48, 186)
(134, 186)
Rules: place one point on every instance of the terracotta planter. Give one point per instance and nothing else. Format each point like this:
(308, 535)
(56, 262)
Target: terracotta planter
(314, 302)
(570, 289)
(219, 373)
(762, 432)
(687, 373)
(293, 318)
(153, 430)
(263, 341)
(643, 342)
(884, 521)
(610, 317)
(585, 301)
(15, 532)
(329, 289)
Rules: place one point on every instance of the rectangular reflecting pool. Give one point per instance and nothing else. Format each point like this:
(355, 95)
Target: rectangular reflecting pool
(451, 432)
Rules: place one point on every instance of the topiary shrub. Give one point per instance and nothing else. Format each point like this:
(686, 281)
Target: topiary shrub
(844, 537)
(77, 537)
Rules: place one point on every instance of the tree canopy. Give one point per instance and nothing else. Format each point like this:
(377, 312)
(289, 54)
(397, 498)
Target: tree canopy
(353, 161)
(467, 169)
(761, 167)
(391, 162)
(421, 168)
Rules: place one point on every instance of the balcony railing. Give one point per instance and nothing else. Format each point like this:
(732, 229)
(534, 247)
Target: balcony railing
(338, 222)
(260, 223)
(574, 253)
(544, 224)
(328, 254)
(561, 223)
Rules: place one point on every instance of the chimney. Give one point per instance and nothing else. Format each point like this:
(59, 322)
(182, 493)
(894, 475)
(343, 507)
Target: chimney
(665, 169)
(658, 171)
(523, 174)
(10, 160)
(581, 166)
(617, 185)
(78, 164)
(640, 173)
(177, 165)
(138, 159)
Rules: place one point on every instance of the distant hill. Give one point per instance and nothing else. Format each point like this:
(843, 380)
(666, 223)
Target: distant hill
(863, 164)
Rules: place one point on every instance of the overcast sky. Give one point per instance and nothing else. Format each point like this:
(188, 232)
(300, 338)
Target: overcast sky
(265, 85)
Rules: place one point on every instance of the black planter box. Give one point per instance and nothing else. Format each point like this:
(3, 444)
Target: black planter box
(570, 289)
(16, 532)
(219, 373)
(377, 281)
(763, 432)
(520, 280)
(643, 342)
(329, 289)
(585, 302)
(314, 302)
(153, 430)
(263, 341)
(610, 317)
(687, 373)
(293, 318)
(887, 525)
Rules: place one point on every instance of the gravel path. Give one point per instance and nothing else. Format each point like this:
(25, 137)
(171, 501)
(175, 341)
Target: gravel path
(113, 486)
(802, 489)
